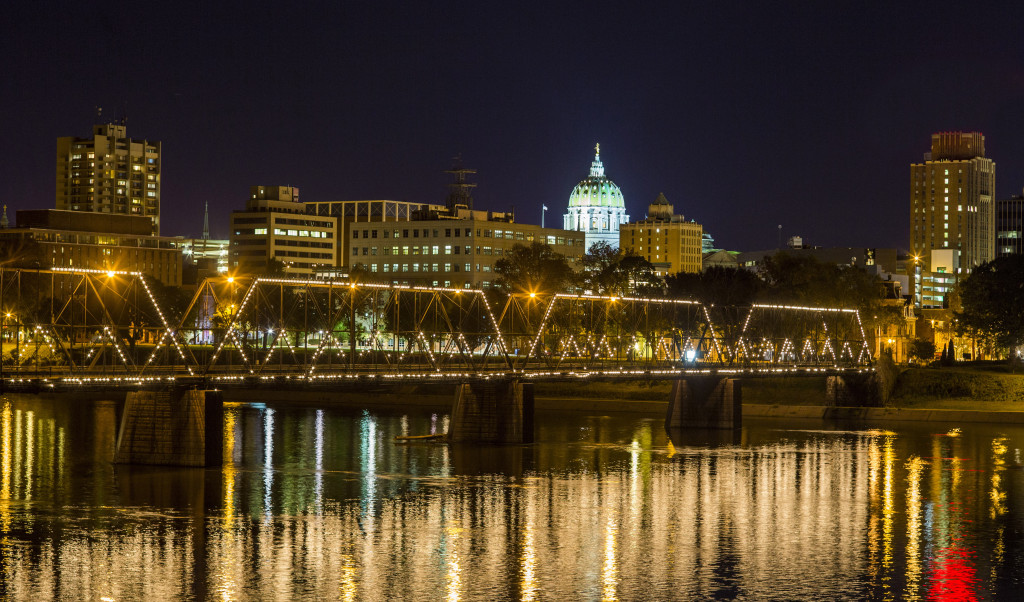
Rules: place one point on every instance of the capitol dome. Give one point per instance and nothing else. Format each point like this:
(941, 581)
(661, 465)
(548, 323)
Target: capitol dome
(596, 207)
(597, 190)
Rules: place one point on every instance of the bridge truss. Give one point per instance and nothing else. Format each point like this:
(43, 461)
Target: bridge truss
(87, 326)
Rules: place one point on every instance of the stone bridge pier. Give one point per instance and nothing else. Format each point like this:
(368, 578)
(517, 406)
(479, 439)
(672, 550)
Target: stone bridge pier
(705, 402)
(492, 412)
(854, 390)
(175, 427)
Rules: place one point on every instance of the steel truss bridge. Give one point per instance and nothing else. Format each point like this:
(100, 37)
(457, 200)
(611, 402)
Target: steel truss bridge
(62, 329)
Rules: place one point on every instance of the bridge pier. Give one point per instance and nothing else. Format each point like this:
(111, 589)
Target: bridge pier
(175, 428)
(492, 412)
(705, 402)
(853, 390)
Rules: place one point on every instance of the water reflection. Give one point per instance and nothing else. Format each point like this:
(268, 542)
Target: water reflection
(323, 503)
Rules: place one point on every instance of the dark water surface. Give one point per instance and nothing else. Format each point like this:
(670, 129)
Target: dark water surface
(321, 503)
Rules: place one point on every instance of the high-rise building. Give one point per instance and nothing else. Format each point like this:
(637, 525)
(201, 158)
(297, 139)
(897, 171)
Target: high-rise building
(665, 239)
(274, 227)
(109, 173)
(1010, 226)
(596, 206)
(951, 201)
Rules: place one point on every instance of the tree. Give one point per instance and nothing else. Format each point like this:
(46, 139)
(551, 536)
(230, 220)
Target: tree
(22, 252)
(922, 350)
(992, 301)
(716, 286)
(533, 269)
(805, 280)
(610, 271)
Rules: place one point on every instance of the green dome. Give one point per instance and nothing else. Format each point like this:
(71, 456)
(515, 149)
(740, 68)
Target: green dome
(597, 190)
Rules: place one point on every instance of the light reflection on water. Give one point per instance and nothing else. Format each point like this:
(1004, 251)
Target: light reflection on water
(321, 502)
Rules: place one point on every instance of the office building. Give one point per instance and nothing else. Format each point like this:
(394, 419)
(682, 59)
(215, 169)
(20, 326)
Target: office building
(110, 173)
(68, 239)
(274, 233)
(952, 200)
(452, 250)
(934, 277)
(596, 206)
(1010, 226)
(665, 239)
(349, 214)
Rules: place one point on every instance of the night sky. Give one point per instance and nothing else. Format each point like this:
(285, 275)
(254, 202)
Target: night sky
(746, 115)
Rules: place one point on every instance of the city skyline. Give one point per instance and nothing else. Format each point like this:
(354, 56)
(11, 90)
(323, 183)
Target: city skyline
(745, 117)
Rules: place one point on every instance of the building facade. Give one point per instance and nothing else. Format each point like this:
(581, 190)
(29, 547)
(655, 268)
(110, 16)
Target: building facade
(669, 242)
(274, 227)
(458, 253)
(350, 213)
(933, 284)
(67, 239)
(110, 173)
(1010, 226)
(596, 207)
(952, 200)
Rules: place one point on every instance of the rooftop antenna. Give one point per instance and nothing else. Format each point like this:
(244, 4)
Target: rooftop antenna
(206, 221)
(459, 190)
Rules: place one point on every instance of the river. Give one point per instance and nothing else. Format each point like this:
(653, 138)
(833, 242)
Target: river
(323, 503)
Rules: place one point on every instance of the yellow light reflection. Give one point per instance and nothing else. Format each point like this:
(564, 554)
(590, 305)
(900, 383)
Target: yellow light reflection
(226, 584)
(454, 573)
(610, 571)
(888, 513)
(349, 585)
(529, 566)
(228, 472)
(997, 495)
(5, 466)
(30, 440)
(915, 466)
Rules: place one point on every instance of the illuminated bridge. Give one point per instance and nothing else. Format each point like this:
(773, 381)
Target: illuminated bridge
(74, 330)
(66, 329)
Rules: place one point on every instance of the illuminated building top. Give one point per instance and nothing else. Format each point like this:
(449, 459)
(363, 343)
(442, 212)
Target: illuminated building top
(597, 190)
(596, 206)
